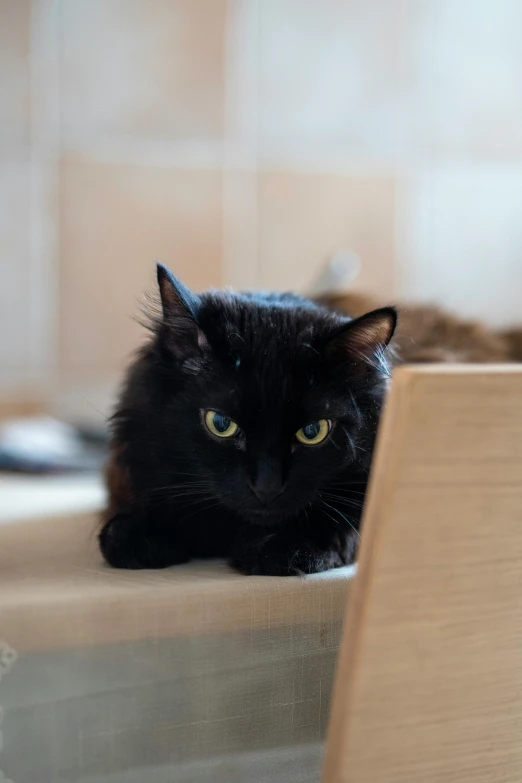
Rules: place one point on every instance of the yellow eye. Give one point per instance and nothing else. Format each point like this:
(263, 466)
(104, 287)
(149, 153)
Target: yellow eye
(314, 433)
(219, 425)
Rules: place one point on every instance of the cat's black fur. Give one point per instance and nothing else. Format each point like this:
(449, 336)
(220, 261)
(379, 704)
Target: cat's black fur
(272, 363)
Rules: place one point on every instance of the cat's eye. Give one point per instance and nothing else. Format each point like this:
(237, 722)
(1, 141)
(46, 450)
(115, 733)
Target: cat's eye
(219, 425)
(314, 433)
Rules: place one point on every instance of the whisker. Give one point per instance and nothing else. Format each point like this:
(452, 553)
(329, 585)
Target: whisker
(188, 486)
(201, 510)
(186, 496)
(346, 494)
(332, 441)
(356, 407)
(342, 516)
(328, 515)
(350, 441)
(345, 500)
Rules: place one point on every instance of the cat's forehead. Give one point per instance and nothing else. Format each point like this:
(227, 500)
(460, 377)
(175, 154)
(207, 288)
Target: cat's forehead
(267, 362)
(252, 322)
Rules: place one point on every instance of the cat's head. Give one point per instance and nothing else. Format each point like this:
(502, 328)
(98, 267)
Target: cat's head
(265, 399)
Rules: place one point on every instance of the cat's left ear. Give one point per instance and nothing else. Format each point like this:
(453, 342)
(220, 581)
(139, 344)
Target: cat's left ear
(367, 335)
(182, 335)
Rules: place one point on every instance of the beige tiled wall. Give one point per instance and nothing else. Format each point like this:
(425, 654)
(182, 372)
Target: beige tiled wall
(242, 142)
(15, 183)
(143, 69)
(306, 216)
(117, 220)
(15, 32)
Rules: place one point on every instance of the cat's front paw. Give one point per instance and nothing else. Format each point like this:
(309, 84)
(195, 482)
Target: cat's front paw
(127, 542)
(273, 556)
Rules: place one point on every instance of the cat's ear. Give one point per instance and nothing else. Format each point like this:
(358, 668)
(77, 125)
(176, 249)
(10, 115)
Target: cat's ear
(368, 335)
(181, 333)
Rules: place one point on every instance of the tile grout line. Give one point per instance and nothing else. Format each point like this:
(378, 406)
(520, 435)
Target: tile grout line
(44, 218)
(240, 146)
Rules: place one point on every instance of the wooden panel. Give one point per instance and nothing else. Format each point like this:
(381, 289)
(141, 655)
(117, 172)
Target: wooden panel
(429, 685)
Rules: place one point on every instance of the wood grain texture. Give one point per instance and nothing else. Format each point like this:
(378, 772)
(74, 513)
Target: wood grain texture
(429, 682)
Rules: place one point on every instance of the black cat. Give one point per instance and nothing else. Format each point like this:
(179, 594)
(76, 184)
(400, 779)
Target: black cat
(245, 430)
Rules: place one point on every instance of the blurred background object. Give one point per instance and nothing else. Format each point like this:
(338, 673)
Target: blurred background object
(41, 444)
(243, 143)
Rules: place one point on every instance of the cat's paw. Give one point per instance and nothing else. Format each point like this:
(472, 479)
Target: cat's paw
(126, 542)
(271, 556)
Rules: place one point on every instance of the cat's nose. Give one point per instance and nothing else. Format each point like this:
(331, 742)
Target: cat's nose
(266, 490)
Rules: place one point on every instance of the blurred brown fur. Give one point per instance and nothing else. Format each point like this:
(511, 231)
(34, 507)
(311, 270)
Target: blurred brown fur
(426, 333)
(513, 338)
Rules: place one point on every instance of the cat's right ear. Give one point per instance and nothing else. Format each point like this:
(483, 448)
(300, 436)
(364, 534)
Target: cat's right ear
(181, 335)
